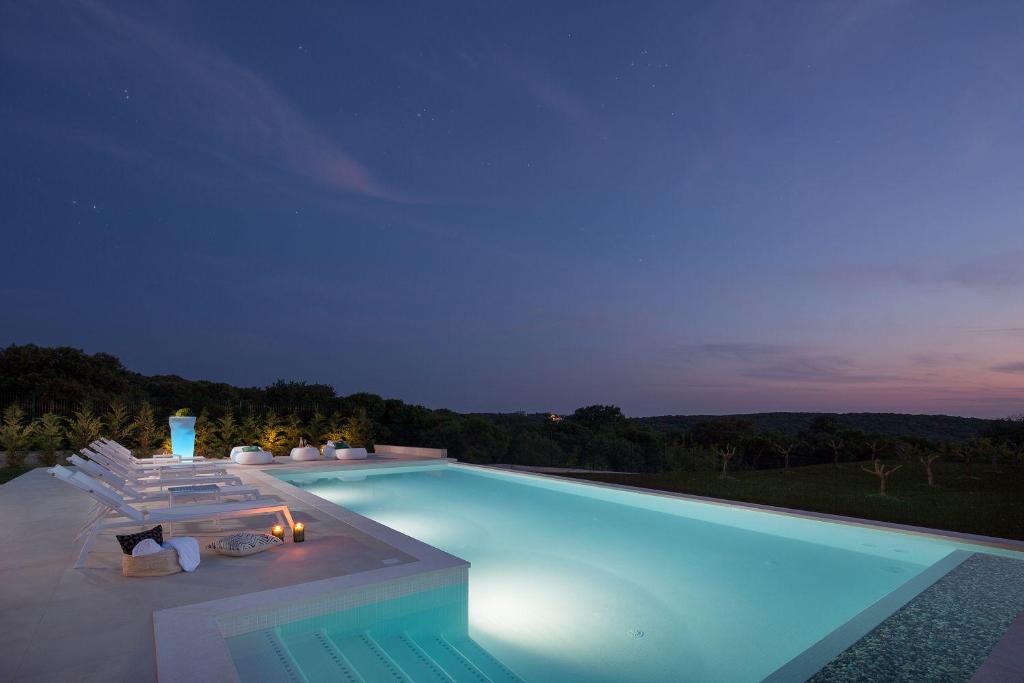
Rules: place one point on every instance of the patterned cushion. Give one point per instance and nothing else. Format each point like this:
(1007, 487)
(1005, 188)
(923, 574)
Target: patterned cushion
(128, 541)
(341, 444)
(244, 543)
(251, 449)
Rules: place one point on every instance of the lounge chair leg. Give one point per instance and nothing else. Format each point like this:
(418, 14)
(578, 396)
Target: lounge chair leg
(99, 512)
(288, 516)
(87, 545)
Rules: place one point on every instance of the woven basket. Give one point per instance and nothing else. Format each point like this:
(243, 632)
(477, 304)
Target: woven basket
(157, 564)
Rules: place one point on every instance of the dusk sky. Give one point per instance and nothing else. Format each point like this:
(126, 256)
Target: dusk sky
(673, 207)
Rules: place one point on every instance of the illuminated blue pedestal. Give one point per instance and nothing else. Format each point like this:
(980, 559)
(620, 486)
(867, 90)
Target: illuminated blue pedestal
(183, 436)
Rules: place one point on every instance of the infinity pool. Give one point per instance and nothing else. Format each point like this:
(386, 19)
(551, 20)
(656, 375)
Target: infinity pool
(573, 582)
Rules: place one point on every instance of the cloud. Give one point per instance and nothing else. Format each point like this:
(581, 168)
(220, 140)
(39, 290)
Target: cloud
(780, 363)
(996, 271)
(1010, 367)
(548, 93)
(209, 94)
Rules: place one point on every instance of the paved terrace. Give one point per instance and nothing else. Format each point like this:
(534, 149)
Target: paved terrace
(93, 624)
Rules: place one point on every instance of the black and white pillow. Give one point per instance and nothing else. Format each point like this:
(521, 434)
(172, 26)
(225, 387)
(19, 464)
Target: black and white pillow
(244, 543)
(129, 541)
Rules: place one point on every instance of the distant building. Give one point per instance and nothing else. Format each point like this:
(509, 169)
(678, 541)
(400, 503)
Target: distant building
(554, 418)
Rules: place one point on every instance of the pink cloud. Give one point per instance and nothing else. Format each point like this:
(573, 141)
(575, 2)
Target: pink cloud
(548, 93)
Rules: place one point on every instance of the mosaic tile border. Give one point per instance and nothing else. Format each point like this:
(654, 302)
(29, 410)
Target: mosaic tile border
(811, 660)
(945, 634)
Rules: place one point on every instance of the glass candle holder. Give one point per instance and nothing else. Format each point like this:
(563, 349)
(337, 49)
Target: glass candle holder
(278, 531)
(299, 532)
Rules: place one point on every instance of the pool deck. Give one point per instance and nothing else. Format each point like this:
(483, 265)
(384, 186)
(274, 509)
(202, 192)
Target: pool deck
(93, 624)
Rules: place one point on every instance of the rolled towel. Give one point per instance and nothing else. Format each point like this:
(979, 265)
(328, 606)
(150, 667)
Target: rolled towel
(146, 546)
(188, 551)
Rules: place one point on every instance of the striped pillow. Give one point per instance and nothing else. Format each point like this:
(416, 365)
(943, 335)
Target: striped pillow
(244, 543)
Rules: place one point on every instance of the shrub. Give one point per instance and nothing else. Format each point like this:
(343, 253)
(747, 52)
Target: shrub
(223, 435)
(272, 435)
(49, 437)
(15, 435)
(358, 429)
(147, 433)
(203, 434)
(84, 428)
(119, 421)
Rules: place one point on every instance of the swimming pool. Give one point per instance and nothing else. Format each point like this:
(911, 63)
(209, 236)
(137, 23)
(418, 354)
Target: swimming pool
(577, 582)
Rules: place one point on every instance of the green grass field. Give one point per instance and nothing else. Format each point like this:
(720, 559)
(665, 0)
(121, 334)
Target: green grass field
(986, 502)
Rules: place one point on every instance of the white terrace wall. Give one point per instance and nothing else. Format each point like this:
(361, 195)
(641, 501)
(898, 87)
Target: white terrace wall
(411, 451)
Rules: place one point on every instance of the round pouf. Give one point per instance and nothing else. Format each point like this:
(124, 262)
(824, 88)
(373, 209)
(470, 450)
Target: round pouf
(305, 453)
(350, 453)
(251, 457)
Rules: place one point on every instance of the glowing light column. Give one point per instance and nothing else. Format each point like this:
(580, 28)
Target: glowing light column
(183, 436)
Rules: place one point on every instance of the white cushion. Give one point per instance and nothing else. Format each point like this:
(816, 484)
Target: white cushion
(350, 453)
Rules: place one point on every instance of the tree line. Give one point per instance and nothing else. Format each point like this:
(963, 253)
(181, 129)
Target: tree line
(104, 398)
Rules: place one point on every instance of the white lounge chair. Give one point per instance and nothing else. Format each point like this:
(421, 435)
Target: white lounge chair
(136, 491)
(141, 491)
(153, 460)
(119, 453)
(112, 503)
(134, 464)
(160, 477)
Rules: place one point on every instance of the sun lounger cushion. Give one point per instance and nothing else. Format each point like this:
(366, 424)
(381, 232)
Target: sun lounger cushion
(129, 541)
(244, 543)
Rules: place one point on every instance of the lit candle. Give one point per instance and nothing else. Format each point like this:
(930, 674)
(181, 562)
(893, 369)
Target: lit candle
(299, 532)
(278, 531)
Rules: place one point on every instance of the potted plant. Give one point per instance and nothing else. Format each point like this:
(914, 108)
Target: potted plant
(183, 434)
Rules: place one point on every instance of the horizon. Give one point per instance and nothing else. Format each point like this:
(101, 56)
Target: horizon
(563, 413)
(683, 209)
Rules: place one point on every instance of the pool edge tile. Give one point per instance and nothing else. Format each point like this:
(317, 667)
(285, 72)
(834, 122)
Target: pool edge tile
(814, 658)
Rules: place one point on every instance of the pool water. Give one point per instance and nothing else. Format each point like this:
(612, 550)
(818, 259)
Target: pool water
(572, 582)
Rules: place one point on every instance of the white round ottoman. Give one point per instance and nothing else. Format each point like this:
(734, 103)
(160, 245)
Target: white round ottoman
(350, 453)
(251, 457)
(303, 453)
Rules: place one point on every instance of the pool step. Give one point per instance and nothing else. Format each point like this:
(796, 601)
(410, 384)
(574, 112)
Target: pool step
(262, 657)
(483, 660)
(369, 658)
(320, 660)
(318, 657)
(414, 661)
(448, 658)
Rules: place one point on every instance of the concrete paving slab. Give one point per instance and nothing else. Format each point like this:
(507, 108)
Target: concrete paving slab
(95, 624)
